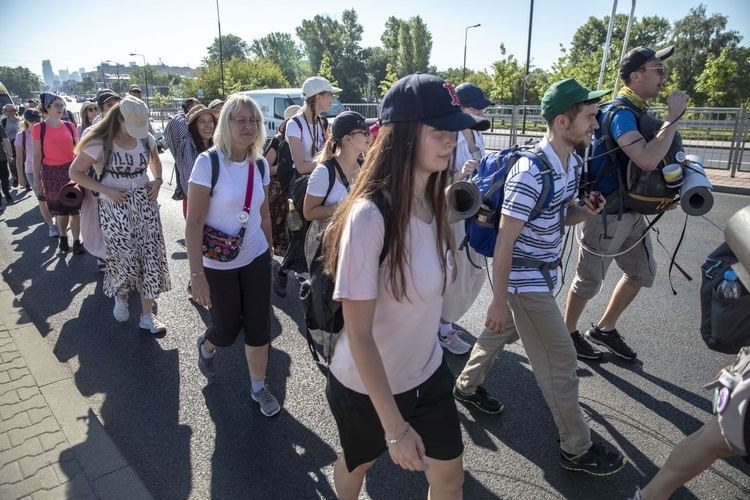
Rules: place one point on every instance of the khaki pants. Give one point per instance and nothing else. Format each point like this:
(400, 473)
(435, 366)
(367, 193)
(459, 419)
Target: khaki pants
(549, 347)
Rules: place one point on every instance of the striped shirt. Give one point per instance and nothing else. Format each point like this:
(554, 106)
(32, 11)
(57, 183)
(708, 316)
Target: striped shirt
(540, 239)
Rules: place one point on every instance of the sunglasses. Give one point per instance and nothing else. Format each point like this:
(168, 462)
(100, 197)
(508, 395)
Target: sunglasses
(92, 108)
(661, 70)
(135, 91)
(365, 132)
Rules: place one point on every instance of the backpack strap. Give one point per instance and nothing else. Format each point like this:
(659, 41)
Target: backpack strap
(330, 166)
(214, 156)
(42, 130)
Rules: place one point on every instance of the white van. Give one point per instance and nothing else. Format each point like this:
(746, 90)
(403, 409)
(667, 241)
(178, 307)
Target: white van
(273, 102)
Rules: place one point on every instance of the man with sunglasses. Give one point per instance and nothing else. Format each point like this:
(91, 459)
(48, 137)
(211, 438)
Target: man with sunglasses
(646, 142)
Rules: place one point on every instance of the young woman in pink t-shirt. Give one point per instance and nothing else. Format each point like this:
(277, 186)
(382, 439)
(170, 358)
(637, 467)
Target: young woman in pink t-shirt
(388, 368)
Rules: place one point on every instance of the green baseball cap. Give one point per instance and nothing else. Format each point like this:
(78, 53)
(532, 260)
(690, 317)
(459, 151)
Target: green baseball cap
(565, 93)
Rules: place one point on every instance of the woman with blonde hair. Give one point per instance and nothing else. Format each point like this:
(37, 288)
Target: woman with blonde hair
(390, 248)
(89, 111)
(122, 151)
(228, 239)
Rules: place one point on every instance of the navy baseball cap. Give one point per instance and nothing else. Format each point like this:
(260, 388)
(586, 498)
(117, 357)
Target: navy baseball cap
(430, 100)
(472, 96)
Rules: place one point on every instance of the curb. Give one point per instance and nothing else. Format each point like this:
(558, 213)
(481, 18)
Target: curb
(106, 469)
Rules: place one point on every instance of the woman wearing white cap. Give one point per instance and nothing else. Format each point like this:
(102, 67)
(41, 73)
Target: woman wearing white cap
(306, 133)
(121, 151)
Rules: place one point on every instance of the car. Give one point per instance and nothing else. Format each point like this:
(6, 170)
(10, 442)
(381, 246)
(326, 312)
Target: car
(273, 102)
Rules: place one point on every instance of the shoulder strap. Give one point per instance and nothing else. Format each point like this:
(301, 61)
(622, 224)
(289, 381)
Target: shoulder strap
(538, 158)
(69, 126)
(214, 156)
(296, 120)
(261, 163)
(331, 179)
(42, 130)
(5, 122)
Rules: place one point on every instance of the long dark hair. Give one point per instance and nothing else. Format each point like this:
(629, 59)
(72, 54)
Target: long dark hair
(388, 172)
(197, 139)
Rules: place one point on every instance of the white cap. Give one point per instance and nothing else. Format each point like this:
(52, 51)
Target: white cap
(315, 85)
(135, 113)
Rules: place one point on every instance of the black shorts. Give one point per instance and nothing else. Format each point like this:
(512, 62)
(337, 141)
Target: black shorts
(429, 408)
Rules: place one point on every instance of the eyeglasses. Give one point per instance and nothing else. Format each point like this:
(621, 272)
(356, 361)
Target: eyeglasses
(365, 132)
(58, 106)
(135, 91)
(244, 122)
(92, 108)
(662, 70)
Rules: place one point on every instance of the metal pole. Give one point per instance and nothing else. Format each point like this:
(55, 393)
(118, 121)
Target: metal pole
(625, 45)
(528, 61)
(466, 35)
(145, 75)
(606, 45)
(221, 51)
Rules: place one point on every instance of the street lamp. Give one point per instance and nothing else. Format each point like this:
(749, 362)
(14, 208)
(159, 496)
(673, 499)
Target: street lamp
(117, 67)
(145, 74)
(466, 34)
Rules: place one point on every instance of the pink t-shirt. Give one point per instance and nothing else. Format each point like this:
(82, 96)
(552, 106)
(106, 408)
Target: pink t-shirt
(405, 332)
(58, 142)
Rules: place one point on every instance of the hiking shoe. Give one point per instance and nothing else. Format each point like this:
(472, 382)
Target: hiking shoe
(612, 341)
(153, 325)
(53, 231)
(269, 405)
(479, 398)
(207, 366)
(454, 343)
(64, 245)
(121, 310)
(596, 460)
(78, 247)
(279, 279)
(583, 348)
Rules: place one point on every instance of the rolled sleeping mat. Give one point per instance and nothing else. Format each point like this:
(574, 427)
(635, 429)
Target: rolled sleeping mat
(71, 195)
(464, 200)
(696, 197)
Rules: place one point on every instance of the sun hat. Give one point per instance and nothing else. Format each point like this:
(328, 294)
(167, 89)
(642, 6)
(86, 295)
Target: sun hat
(200, 109)
(315, 85)
(134, 87)
(215, 103)
(565, 93)
(472, 96)
(136, 115)
(640, 56)
(346, 123)
(430, 100)
(291, 111)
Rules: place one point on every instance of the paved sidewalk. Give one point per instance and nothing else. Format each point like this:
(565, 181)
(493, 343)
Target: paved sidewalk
(724, 183)
(51, 444)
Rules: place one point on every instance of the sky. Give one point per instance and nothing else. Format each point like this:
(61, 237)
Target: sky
(178, 32)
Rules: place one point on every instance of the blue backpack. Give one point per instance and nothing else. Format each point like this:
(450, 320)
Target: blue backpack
(481, 229)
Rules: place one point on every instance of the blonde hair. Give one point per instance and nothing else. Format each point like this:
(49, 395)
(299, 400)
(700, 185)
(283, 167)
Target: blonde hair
(105, 131)
(85, 122)
(223, 132)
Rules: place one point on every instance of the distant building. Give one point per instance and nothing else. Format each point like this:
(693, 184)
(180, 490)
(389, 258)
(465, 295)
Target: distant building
(64, 75)
(48, 74)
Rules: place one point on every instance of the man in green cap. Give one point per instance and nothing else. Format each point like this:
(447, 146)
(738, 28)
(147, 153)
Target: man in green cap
(526, 256)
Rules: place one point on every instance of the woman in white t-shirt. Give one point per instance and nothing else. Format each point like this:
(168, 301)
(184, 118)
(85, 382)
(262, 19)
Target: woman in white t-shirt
(237, 292)
(306, 135)
(388, 368)
(122, 151)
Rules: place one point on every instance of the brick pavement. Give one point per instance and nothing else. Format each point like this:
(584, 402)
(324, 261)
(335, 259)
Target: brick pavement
(51, 444)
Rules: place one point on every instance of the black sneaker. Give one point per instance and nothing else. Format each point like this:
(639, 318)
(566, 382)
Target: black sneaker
(596, 460)
(479, 398)
(279, 279)
(78, 247)
(8, 198)
(612, 341)
(64, 245)
(583, 348)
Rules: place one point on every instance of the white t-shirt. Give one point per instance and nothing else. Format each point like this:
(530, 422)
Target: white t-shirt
(319, 183)
(227, 201)
(404, 332)
(462, 148)
(124, 161)
(305, 135)
(28, 165)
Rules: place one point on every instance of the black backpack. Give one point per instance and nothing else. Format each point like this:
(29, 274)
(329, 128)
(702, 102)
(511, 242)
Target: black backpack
(725, 324)
(321, 311)
(285, 164)
(299, 190)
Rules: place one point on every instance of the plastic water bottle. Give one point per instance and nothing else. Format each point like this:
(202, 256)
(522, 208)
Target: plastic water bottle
(293, 218)
(730, 288)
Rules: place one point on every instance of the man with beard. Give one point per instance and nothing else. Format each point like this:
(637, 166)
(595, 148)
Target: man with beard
(526, 256)
(621, 231)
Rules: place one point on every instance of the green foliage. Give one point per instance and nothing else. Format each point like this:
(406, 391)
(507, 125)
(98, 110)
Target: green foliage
(390, 78)
(280, 49)
(20, 81)
(325, 70)
(408, 43)
(232, 46)
(239, 74)
(723, 80)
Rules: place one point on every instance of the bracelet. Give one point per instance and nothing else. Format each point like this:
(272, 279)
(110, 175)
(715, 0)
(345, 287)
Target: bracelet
(159, 179)
(396, 440)
(196, 274)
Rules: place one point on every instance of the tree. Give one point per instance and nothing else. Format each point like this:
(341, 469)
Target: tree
(231, 46)
(280, 48)
(696, 37)
(723, 80)
(390, 78)
(20, 81)
(508, 80)
(249, 74)
(325, 70)
(376, 62)
(422, 42)
(408, 43)
(318, 35)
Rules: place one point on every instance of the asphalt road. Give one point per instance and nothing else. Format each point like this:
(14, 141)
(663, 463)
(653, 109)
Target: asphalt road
(190, 439)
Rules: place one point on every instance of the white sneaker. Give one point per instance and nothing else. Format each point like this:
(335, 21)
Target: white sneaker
(121, 310)
(150, 323)
(454, 343)
(53, 231)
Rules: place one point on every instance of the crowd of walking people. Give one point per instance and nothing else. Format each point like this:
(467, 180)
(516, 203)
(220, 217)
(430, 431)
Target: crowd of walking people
(379, 204)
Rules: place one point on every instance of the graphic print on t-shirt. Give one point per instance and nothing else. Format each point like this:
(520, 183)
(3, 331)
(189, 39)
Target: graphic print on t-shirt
(122, 162)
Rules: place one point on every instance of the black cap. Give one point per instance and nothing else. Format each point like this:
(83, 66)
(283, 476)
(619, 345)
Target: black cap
(640, 56)
(346, 123)
(105, 95)
(32, 115)
(430, 100)
(472, 96)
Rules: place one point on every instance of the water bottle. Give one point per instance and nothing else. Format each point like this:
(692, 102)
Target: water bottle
(730, 288)
(293, 218)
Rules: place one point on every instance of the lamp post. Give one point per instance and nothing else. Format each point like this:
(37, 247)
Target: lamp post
(221, 51)
(466, 35)
(528, 60)
(145, 74)
(117, 67)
